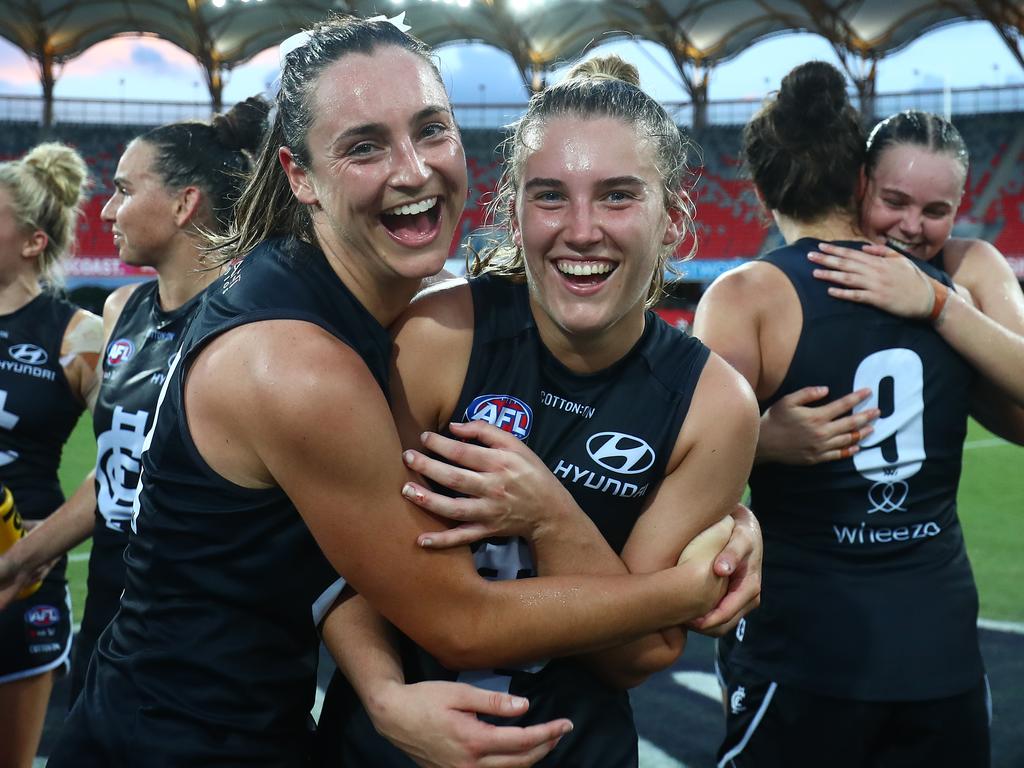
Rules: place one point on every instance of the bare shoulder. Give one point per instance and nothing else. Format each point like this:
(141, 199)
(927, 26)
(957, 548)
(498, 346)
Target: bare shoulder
(972, 262)
(441, 308)
(724, 407)
(80, 352)
(433, 344)
(754, 283)
(277, 364)
(277, 387)
(84, 334)
(116, 300)
(114, 306)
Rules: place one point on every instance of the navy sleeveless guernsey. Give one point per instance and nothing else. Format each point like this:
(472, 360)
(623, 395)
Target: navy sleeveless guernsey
(867, 591)
(607, 436)
(135, 364)
(212, 656)
(38, 410)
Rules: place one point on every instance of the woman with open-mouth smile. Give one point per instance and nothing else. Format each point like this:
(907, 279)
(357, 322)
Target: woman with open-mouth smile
(641, 463)
(272, 476)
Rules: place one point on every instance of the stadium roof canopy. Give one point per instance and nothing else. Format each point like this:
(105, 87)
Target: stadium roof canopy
(538, 34)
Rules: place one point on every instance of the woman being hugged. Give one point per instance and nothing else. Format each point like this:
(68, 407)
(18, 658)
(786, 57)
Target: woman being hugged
(172, 184)
(274, 465)
(911, 187)
(626, 437)
(50, 350)
(864, 650)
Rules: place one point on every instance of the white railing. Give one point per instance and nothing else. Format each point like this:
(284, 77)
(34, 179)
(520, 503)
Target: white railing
(963, 101)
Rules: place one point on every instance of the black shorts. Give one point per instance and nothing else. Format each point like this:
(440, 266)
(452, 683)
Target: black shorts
(35, 633)
(769, 725)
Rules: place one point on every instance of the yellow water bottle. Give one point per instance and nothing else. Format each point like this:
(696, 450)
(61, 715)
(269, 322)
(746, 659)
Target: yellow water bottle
(11, 530)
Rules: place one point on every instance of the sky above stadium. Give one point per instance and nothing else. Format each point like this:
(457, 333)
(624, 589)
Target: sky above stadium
(962, 55)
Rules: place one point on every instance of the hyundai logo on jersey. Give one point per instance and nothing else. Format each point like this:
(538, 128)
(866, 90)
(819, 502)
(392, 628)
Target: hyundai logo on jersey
(620, 453)
(42, 615)
(28, 353)
(120, 351)
(503, 411)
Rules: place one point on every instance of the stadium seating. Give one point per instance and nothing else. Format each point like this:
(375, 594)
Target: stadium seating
(730, 222)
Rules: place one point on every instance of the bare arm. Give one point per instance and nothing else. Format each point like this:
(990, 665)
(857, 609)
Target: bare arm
(988, 330)
(306, 449)
(434, 722)
(80, 355)
(64, 529)
(509, 491)
(717, 446)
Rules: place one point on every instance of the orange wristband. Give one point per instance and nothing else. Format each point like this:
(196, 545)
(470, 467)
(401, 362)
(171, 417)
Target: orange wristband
(941, 293)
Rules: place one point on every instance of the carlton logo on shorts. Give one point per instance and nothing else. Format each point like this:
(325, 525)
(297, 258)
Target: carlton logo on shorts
(620, 453)
(28, 353)
(503, 411)
(120, 351)
(42, 616)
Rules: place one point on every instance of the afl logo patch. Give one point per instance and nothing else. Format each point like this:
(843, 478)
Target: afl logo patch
(42, 616)
(120, 351)
(503, 411)
(28, 353)
(620, 453)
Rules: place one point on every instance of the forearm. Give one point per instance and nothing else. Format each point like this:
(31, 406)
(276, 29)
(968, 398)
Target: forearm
(506, 623)
(363, 645)
(67, 527)
(628, 665)
(994, 351)
(574, 545)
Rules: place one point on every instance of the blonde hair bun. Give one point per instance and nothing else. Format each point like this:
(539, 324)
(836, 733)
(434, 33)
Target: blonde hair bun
(608, 67)
(61, 169)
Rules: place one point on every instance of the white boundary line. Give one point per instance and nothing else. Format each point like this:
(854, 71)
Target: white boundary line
(989, 442)
(1013, 627)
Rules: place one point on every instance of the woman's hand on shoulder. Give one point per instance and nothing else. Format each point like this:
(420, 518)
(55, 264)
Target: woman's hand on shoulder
(876, 275)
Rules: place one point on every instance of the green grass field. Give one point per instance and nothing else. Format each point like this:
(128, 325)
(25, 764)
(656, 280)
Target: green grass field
(991, 509)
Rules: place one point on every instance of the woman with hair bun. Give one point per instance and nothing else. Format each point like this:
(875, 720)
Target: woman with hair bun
(864, 651)
(173, 184)
(911, 187)
(47, 378)
(627, 438)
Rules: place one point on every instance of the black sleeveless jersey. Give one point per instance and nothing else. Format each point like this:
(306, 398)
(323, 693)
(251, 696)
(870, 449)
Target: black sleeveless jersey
(867, 590)
(608, 437)
(212, 655)
(135, 365)
(38, 410)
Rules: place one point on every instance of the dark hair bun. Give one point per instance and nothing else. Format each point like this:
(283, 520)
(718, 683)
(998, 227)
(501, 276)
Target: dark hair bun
(242, 127)
(811, 100)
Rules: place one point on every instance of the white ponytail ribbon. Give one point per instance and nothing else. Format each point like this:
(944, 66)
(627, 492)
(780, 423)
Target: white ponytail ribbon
(395, 21)
(289, 44)
(299, 39)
